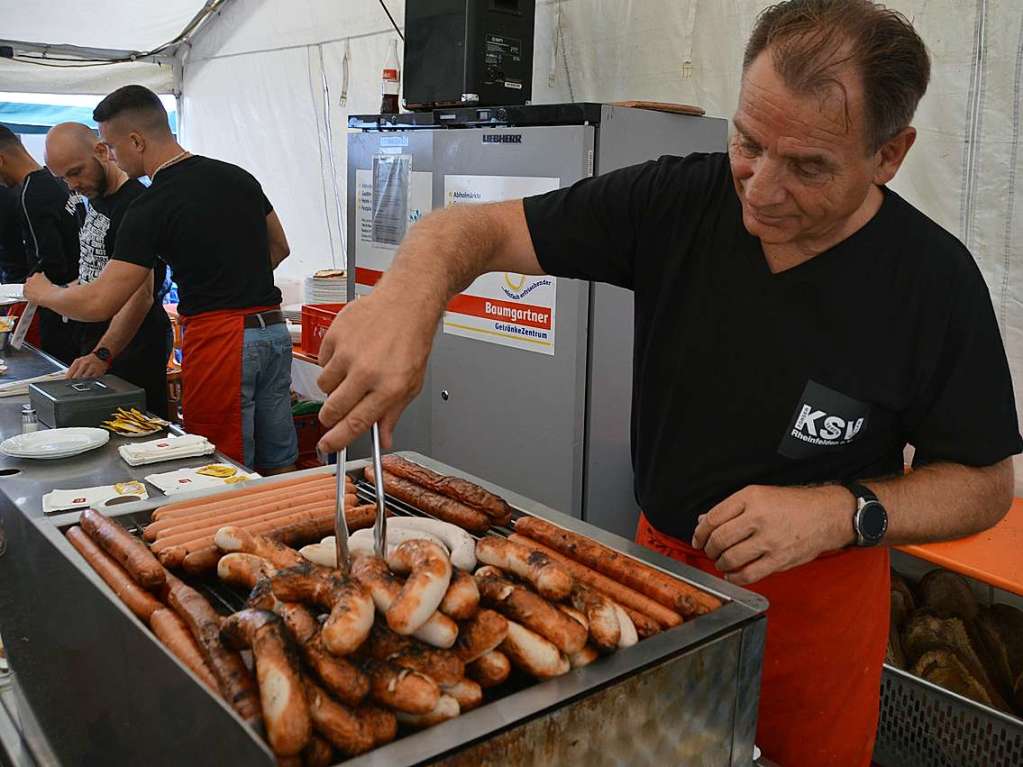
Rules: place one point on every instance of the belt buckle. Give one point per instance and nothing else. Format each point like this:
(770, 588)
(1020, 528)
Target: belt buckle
(259, 318)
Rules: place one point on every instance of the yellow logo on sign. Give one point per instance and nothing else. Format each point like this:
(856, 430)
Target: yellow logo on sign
(509, 278)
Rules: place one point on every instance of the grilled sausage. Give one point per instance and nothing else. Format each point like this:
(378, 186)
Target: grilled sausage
(605, 627)
(460, 545)
(469, 493)
(137, 599)
(645, 625)
(400, 688)
(659, 586)
(480, 635)
(446, 708)
(490, 669)
(575, 615)
(623, 595)
(628, 635)
(236, 683)
(434, 504)
(381, 723)
(442, 666)
(462, 599)
(532, 611)
(183, 508)
(245, 570)
(548, 578)
(209, 529)
(373, 573)
(124, 547)
(319, 753)
(204, 554)
(584, 657)
(429, 575)
(235, 512)
(174, 634)
(337, 723)
(532, 653)
(285, 712)
(233, 538)
(467, 692)
(350, 605)
(347, 683)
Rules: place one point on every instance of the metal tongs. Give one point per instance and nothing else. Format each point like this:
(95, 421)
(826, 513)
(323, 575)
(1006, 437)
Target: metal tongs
(344, 556)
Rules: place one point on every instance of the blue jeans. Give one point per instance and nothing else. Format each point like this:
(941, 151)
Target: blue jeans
(268, 430)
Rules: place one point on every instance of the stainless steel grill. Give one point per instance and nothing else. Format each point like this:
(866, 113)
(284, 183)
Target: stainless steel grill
(684, 696)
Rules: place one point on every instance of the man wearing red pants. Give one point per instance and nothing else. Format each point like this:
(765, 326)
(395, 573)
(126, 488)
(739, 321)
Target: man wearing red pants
(210, 222)
(797, 325)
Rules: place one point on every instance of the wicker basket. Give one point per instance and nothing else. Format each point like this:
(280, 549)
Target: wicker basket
(923, 725)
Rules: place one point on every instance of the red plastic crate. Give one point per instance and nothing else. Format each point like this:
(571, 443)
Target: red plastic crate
(316, 318)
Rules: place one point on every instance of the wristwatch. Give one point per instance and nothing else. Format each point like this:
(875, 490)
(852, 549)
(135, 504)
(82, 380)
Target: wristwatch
(104, 354)
(870, 520)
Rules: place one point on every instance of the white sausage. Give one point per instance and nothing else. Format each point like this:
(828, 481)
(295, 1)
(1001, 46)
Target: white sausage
(325, 552)
(429, 577)
(459, 543)
(532, 653)
(629, 636)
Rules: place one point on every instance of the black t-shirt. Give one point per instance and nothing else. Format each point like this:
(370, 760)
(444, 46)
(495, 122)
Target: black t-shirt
(13, 264)
(820, 373)
(97, 239)
(207, 220)
(51, 216)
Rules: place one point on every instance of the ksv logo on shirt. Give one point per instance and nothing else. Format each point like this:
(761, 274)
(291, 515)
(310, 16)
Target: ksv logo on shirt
(823, 419)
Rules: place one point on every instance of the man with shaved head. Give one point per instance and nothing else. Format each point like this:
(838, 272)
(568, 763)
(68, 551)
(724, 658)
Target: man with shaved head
(211, 223)
(49, 219)
(134, 345)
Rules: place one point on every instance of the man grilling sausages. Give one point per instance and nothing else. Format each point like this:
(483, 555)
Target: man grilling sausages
(134, 345)
(797, 324)
(213, 226)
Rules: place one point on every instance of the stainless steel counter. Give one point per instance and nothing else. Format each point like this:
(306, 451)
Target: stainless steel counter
(25, 482)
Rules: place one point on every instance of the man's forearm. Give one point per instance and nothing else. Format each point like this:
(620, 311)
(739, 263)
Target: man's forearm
(944, 501)
(80, 302)
(443, 253)
(126, 323)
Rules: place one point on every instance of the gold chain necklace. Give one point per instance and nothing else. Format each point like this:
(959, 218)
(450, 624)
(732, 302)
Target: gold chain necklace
(176, 158)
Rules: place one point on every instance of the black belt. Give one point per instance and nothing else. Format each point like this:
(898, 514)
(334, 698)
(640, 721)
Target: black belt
(264, 319)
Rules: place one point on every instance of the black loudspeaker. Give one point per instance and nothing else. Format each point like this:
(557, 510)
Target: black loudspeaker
(468, 52)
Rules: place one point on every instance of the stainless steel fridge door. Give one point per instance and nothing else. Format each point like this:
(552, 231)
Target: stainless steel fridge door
(368, 259)
(515, 415)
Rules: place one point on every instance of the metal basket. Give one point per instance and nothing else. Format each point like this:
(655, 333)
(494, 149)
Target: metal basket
(923, 725)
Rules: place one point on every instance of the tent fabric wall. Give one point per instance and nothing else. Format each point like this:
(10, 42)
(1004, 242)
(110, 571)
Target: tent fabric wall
(265, 62)
(25, 77)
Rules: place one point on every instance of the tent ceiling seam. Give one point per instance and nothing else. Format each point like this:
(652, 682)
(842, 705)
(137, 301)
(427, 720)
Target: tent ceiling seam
(295, 47)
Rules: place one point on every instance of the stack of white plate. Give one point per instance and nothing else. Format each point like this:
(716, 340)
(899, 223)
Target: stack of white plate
(54, 443)
(327, 287)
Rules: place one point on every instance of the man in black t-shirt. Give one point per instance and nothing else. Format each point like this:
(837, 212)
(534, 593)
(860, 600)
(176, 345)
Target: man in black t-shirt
(134, 345)
(50, 217)
(210, 222)
(13, 261)
(797, 325)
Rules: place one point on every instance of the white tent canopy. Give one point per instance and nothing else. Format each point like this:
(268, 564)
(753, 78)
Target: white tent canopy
(269, 84)
(128, 25)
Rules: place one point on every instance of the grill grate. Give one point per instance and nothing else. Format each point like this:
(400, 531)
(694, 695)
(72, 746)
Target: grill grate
(922, 725)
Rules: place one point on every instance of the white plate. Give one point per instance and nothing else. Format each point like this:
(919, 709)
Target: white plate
(55, 443)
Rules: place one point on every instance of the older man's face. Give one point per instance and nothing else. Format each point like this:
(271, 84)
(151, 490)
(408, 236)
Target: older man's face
(801, 164)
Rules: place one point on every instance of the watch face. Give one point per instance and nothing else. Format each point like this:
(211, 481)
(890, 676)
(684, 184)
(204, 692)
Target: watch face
(103, 353)
(873, 521)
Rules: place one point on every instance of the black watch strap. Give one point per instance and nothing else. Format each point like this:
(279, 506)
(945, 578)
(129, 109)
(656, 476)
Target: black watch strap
(860, 491)
(104, 354)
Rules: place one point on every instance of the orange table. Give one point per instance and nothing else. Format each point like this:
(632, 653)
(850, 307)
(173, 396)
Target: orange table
(994, 557)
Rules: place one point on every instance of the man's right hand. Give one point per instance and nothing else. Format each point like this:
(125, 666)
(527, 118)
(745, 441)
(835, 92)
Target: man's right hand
(88, 366)
(374, 358)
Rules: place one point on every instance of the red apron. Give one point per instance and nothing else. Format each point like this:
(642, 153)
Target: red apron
(211, 377)
(827, 630)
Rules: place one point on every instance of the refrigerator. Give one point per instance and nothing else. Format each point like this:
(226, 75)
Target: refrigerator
(530, 380)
